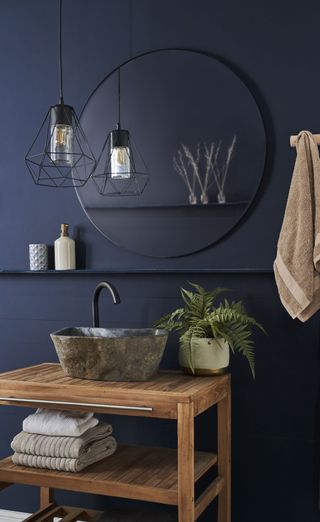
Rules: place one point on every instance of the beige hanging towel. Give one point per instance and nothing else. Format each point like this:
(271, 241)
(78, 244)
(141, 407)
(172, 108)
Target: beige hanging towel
(297, 264)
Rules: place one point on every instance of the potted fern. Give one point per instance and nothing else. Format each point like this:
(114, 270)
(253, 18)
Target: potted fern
(209, 332)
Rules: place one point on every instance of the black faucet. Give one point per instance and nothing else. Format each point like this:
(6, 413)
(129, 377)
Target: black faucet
(95, 300)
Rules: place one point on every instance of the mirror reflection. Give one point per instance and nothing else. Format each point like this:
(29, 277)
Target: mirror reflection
(198, 136)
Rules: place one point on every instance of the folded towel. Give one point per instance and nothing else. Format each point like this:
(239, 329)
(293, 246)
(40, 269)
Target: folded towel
(65, 447)
(59, 423)
(107, 447)
(298, 256)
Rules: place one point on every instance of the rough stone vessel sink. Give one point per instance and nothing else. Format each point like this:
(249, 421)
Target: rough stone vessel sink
(110, 354)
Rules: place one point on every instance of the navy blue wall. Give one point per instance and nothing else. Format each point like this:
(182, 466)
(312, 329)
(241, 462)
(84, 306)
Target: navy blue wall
(272, 45)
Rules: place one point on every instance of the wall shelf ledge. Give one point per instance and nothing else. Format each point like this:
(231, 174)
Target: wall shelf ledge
(130, 270)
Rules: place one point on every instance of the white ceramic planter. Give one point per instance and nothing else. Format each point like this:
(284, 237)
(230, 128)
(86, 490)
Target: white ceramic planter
(205, 357)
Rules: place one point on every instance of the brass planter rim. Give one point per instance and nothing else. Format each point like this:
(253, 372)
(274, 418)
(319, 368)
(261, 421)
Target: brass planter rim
(204, 371)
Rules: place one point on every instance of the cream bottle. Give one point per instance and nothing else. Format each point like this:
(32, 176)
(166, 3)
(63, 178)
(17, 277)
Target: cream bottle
(64, 250)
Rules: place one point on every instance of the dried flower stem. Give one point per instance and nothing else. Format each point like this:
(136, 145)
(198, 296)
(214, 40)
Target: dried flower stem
(182, 171)
(212, 170)
(221, 174)
(208, 154)
(194, 162)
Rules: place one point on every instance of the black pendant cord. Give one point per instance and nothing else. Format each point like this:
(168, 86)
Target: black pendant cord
(119, 98)
(130, 29)
(60, 55)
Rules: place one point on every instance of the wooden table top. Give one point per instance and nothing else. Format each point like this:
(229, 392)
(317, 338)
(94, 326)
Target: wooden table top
(48, 382)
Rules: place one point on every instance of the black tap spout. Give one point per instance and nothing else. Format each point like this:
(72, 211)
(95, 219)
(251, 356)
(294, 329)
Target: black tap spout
(95, 300)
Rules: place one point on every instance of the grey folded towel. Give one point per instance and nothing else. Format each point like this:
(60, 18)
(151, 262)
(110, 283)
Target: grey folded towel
(105, 448)
(63, 447)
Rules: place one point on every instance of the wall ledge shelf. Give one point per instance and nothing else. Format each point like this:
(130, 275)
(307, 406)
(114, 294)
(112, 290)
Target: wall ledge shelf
(138, 271)
(241, 203)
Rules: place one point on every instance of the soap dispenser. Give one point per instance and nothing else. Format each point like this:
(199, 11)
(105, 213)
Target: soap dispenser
(64, 250)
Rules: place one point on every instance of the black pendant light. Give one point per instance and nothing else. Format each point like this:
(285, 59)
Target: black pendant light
(120, 170)
(60, 155)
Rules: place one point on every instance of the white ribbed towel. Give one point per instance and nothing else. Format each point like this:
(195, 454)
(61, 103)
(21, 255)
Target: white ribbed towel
(59, 423)
(63, 447)
(105, 449)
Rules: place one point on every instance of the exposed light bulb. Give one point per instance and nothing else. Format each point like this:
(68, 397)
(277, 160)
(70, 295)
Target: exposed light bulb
(61, 146)
(120, 163)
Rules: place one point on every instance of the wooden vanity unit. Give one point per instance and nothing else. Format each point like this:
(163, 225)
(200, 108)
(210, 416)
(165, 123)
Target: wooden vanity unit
(162, 475)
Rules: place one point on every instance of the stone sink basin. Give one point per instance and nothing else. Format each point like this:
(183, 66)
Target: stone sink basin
(110, 354)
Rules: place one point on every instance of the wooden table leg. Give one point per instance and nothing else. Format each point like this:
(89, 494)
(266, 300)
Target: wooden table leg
(46, 497)
(224, 456)
(186, 462)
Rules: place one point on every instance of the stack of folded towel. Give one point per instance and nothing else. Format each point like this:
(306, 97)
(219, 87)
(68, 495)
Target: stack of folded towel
(62, 441)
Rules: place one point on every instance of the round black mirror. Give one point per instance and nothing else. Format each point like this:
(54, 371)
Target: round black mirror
(202, 138)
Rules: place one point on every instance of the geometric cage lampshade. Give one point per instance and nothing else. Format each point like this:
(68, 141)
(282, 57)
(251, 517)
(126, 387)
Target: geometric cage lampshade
(60, 155)
(120, 169)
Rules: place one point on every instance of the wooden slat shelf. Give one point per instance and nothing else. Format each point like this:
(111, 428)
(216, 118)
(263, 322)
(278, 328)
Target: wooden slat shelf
(135, 472)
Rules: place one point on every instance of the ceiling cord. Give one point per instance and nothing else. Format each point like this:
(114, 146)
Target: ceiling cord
(119, 96)
(130, 29)
(60, 54)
